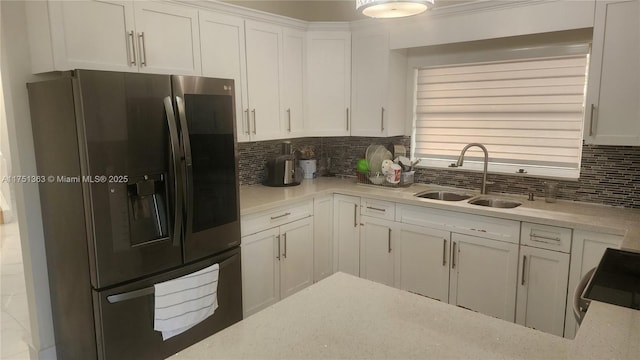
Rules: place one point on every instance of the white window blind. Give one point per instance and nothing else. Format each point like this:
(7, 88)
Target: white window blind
(528, 113)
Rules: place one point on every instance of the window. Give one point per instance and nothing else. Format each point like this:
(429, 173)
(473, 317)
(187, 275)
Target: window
(529, 113)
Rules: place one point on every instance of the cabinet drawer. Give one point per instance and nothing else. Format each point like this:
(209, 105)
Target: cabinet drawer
(378, 209)
(462, 223)
(546, 237)
(251, 224)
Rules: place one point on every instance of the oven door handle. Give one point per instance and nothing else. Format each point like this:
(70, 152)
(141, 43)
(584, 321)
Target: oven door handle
(150, 290)
(177, 178)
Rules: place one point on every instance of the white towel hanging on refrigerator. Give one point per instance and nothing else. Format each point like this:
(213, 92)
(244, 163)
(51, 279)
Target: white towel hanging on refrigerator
(184, 302)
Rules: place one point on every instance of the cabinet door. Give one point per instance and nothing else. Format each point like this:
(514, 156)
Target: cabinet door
(322, 237)
(93, 35)
(423, 261)
(260, 270)
(370, 59)
(294, 44)
(168, 38)
(377, 250)
(484, 275)
(263, 42)
(346, 234)
(542, 289)
(296, 256)
(613, 99)
(223, 56)
(329, 83)
(587, 249)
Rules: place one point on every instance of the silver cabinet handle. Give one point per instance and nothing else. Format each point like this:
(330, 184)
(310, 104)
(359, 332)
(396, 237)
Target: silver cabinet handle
(593, 108)
(347, 119)
(534, 237)
(444, 252)
(285, 245)
(132, 48)
(248, 122)
(389, 240)
(453, 255)
(278, 239)
(280, 216)
(254, 121)
(355, 215)
(382, 119)
(524, 266)
(375, 208)
(289, 115)
(143, 50)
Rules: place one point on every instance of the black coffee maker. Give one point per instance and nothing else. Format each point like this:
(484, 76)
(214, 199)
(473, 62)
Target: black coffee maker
(281, 170)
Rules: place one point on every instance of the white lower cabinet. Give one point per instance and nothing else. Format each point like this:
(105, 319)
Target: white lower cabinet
(423, 261)
(322, 237)
(346, 234)
(276, 263)
(260, 270)
(587, 249)
(377, 250)
(542, 289)
(484, 275)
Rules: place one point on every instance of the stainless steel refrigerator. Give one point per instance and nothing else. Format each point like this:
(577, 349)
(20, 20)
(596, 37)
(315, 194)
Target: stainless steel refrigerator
(139, 186)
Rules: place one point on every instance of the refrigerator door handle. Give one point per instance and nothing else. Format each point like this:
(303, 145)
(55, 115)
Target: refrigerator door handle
(150, 290)
(130, 295)
(188, 170)
(175, 147)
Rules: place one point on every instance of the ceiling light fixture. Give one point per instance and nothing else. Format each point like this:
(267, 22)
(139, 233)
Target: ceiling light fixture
(393, 8)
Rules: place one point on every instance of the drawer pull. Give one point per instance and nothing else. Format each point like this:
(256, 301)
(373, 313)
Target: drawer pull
(376, 209)
(479, 230)
(280, 216)
(533, 237)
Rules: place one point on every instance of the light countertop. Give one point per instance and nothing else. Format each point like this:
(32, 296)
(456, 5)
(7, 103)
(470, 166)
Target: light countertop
(345, 317)
(577, 215)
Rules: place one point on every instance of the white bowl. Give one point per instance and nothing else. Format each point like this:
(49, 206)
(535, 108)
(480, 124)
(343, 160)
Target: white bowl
(377, 179)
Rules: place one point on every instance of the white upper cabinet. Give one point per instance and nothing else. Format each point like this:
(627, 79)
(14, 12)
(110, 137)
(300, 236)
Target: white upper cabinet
(167, 38)
(613, 95)
(378, 85)
(328, 83)
(114, 35)
(264, 74)
(67, 35)
(292, 104)
(224, 56)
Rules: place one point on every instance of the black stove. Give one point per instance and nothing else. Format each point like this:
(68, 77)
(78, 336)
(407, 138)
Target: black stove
(616, 280)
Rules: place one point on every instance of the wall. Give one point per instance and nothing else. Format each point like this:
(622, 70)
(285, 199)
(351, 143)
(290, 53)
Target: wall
(16, 72)
(609, 174)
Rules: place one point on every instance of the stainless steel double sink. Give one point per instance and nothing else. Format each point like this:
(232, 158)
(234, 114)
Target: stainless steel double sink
(482, 200)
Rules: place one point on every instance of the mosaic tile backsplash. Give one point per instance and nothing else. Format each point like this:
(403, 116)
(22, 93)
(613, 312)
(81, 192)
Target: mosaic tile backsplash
(610, 175)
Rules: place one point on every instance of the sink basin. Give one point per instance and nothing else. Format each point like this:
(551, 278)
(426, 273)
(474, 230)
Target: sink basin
(443, 195)
(496, 203)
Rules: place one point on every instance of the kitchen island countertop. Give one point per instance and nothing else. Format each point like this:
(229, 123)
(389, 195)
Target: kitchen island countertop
(345, 317)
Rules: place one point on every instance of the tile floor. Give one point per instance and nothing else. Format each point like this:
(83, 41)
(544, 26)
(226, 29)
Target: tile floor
(14, 316)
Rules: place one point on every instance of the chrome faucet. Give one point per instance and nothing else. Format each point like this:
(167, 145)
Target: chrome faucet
(486, 162)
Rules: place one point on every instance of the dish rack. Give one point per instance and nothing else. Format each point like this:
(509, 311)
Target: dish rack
(378, 179)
